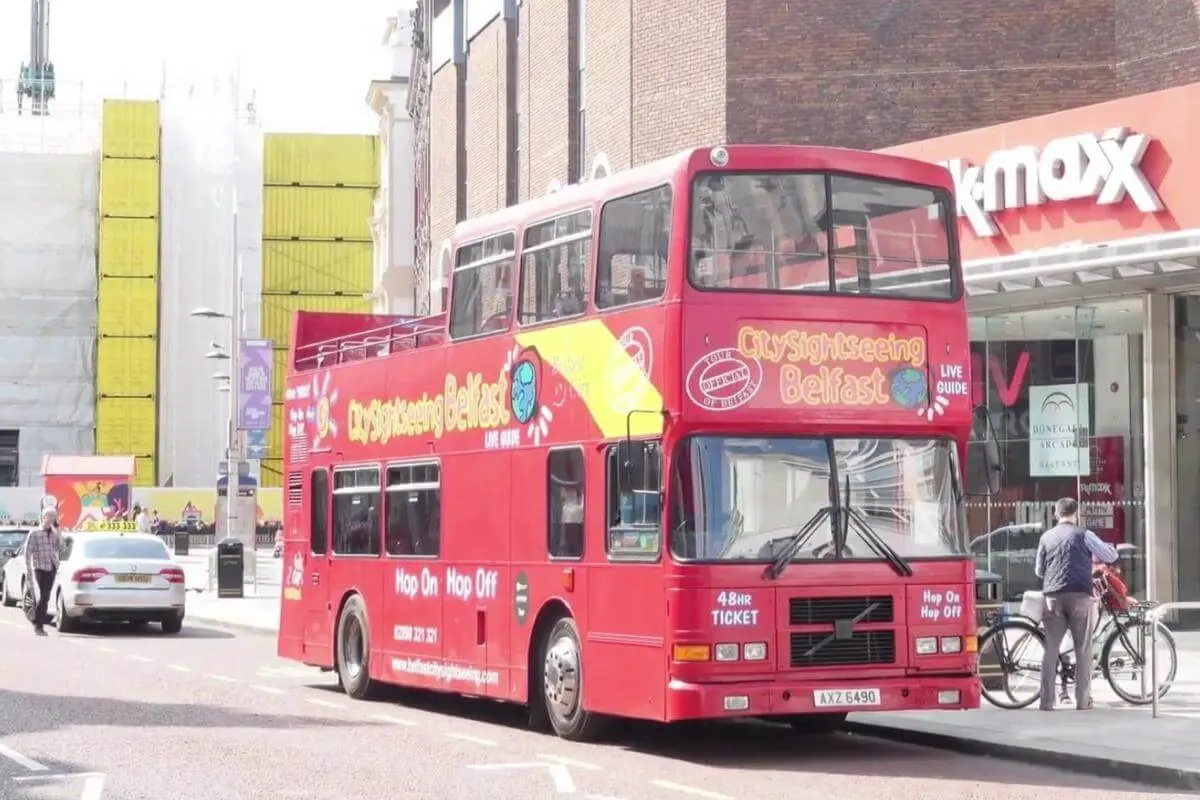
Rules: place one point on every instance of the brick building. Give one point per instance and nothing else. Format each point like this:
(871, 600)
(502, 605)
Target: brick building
(528, 94)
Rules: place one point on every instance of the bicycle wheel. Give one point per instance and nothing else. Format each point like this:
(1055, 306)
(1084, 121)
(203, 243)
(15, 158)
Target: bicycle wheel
(1010, 663)
(1124, 656)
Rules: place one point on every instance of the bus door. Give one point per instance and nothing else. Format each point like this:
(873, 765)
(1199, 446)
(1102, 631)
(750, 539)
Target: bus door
(318, 616)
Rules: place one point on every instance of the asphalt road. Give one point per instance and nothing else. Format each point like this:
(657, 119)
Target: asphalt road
(214, 715)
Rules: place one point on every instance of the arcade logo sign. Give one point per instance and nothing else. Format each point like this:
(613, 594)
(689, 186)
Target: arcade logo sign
(1105, 167)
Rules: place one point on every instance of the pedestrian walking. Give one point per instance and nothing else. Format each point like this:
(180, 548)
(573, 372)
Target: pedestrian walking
(141, 519)
(42, 553)
(1065, 555)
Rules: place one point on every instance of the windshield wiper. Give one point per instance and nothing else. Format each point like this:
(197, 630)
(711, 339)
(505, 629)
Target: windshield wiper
(855, 518)
(795, 543)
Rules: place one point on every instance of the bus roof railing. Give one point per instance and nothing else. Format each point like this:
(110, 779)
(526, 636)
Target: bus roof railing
(374, 342)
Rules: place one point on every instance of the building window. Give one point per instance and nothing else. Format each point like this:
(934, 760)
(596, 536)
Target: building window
(631, 264)
(10, 462)
(481, 287)
(634, 486)
(564, 503)
(356, 511)
(318, 523)
(555, 266)
(414, 510)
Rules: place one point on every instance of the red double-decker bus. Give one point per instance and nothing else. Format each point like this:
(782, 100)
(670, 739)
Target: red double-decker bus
(687, 444)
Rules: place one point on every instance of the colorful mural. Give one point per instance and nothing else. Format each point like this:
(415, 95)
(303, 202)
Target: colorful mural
(84, 499)
(21, 505)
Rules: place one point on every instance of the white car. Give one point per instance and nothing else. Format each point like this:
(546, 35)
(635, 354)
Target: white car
(117, 577)
(12, 574)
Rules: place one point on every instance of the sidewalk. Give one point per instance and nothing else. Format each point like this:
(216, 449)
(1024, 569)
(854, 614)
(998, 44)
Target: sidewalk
(1113, 740)
(258, 610)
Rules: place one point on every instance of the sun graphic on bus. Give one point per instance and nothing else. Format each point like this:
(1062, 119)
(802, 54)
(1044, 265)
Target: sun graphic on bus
(319, 415)
(524, 395)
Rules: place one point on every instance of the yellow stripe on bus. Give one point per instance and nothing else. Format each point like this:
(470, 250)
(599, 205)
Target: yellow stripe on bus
(600, 370)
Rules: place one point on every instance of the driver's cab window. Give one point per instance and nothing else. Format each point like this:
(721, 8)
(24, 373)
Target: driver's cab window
(634, 480)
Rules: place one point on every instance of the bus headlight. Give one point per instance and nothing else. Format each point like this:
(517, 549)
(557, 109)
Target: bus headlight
(951, 644)
(927, 646)
(755, 651)
(726, 652)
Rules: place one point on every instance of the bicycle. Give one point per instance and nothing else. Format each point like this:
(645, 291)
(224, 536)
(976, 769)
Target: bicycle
(1119, 639)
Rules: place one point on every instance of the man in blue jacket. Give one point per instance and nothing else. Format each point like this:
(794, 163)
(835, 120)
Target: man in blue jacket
(1065, 555)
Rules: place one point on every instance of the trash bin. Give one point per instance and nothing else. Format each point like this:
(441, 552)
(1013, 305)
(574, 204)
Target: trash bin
(231, 568)
(183, 540)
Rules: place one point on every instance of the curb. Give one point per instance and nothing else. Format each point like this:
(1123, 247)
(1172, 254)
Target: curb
(1150, 774)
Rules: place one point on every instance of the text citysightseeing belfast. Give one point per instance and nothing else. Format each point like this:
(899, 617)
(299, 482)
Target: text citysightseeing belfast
(474, 404)
(812, 366)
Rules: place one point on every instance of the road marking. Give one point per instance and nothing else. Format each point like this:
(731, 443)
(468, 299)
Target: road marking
(179, 667)
(93, 782)
(601, 797)
(222, 678)
(267, 689)
(563, 782)
(24, 761)
(408, 723)
(570, 762)
(142, 659)
(466, 737)
(316, 701)
(104, 649)
(692, 790)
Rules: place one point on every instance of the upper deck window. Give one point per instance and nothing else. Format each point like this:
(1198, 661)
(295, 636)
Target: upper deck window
(814, 232)
(631, 261)
(556, 268)
(481, 294)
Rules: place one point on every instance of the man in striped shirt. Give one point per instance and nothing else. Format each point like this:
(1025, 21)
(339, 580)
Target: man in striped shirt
(42, 552)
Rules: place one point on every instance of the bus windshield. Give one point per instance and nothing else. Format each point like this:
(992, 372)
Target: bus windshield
(817, 232)
(742, 499)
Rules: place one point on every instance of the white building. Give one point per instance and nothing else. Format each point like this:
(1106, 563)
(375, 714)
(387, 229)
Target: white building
(395, 204)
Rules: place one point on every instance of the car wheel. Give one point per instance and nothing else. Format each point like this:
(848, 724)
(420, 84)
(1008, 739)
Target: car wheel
(28, 601)
(65, 623)
(9, 602)
(172, 625)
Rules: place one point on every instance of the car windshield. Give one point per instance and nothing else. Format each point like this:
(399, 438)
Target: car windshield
(738, 499)
(11, 540)
(816, 232)
(120, 547)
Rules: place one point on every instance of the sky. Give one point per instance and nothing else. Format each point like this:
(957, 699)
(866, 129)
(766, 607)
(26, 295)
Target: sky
(310, 61)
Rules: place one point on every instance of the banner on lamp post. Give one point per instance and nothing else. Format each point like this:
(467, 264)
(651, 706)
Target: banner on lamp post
(254, 384)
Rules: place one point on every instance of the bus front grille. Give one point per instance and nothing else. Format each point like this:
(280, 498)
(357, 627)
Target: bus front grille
(824, 649)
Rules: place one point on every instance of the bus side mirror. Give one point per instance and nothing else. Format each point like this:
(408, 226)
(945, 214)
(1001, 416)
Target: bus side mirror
(983, 457)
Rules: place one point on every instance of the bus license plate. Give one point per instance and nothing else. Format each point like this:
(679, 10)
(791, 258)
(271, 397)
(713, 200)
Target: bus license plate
(844, 698)
(132, 578)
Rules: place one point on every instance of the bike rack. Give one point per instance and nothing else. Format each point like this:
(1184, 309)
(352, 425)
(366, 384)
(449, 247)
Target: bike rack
(1154, 616)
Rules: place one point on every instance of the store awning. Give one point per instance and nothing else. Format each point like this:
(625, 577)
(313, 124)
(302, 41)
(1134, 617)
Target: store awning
(1166, 262)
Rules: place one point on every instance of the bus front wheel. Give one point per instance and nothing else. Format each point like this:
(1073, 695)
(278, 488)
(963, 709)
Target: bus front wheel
(354, 650)
(562, 684)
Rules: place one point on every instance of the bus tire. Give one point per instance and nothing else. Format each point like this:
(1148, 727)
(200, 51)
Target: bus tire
(562, 685)
(354, 650)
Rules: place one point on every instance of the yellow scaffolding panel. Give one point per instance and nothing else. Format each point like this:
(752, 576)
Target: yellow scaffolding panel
(127, 307)
(278, 311)
(129, 129)
(300, 212)
(128, 248)
(309, 159)
(126, 425)
(128, 188)
(279, 375)
(271, 473)
(145, 472)
(126, 367)
(317, 267)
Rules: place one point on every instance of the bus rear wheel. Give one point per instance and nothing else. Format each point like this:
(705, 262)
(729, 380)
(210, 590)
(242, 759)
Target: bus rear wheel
(354, 650)
(562, 684)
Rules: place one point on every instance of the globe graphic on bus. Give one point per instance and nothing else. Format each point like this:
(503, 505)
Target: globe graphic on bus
(524, 391)
(909, 388)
